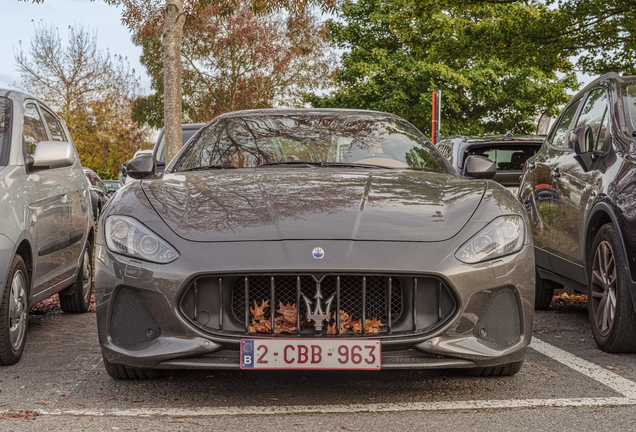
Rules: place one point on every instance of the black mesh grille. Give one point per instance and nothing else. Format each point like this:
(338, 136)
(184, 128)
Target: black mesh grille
(132, 324)
(500, 321)
(351, 288)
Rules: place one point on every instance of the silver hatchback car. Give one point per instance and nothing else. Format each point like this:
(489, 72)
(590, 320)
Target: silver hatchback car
(46, 229)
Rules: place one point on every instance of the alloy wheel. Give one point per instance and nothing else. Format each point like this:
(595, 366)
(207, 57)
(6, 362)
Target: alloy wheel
(17, 310)
(86, 276)
(603, 288)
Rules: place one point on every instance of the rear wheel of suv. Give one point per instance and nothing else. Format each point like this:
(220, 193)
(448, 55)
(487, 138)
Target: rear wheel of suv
(544, 290)
(609, 303)
(14, 312)
(77, 298)
(121, 372)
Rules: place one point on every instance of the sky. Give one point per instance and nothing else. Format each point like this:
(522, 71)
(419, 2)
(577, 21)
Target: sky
(17, 19)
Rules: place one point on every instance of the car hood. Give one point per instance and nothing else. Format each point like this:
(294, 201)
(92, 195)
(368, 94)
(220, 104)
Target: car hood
(314, 203)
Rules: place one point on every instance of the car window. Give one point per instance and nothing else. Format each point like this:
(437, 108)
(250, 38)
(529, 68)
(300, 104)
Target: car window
(592, 114)
(506, 157)
(5, 129)
(33, 131)
(186, 134)
(55, 127)
(446, 151)
(602, 132)
(559, 136)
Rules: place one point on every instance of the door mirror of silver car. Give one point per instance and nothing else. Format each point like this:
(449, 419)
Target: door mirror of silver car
(141, 167)
(51, 154)
(479, 167)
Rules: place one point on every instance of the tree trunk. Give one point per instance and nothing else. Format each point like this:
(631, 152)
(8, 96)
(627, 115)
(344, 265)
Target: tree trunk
(171, 42)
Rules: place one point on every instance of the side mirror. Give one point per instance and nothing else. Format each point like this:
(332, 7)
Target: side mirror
(141, 167)
(479, 167)
(52, 154)
(111, 189)
(582, 141)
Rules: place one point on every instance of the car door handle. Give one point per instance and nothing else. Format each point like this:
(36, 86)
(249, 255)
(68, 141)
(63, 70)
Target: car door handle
(556, 173)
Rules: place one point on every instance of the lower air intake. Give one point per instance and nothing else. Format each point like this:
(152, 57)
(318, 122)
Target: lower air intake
(132, 325)
(499, 322)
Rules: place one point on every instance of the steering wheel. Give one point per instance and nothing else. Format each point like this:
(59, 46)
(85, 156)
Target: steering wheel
(373, 155)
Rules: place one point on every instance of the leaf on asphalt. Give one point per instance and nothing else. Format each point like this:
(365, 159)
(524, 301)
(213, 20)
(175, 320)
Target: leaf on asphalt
(138, 400)
(21, 415)
(611, 368)
(46, 403)
(110, 399)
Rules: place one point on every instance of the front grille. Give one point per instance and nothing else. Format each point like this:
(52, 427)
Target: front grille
(289, 289)
(286, 304)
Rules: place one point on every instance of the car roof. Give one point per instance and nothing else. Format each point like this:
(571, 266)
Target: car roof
(306, 111)
(497, 139)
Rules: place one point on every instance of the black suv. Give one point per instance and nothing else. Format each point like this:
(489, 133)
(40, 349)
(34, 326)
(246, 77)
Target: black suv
(580, 197)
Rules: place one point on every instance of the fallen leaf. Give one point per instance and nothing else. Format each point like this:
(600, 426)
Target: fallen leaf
(138, 401)
(46, 403)
(611, 368)
(110, 399)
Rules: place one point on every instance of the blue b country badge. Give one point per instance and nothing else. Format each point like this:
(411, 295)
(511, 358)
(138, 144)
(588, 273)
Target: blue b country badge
(247, 353)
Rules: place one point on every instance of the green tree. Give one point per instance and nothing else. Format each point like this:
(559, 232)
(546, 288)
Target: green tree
(397, 52)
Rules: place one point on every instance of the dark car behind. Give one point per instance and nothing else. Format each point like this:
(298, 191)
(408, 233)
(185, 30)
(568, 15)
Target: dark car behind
(159, 151)
(507, 152)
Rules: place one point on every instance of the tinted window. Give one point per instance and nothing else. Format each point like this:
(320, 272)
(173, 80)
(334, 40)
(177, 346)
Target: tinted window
(592, 114)
(55, 127)
(161, 150)
(629, 91)
(559, 136)
(508, 157)
(254, 140)
(5, 131)
(602, 132)
(33, 131)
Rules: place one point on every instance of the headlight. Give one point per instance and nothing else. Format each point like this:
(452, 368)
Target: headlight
(128, 236)
(503, 236)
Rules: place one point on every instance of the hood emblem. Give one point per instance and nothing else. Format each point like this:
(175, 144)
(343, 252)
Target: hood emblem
(318, 315)
(318, 253)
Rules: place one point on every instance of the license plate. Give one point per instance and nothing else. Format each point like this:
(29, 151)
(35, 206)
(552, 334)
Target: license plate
(290, 353)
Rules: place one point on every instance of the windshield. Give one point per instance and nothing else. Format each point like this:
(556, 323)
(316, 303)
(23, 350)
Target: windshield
(629, 90)
(312, 138)
(5, 131)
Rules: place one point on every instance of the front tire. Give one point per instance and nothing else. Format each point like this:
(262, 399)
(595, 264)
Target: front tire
(14, 313)
(544, 290)
(121, 372)
(492, 371)
(610, 307)
(77, 298)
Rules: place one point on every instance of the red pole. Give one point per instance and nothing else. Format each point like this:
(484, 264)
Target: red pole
(434, 125)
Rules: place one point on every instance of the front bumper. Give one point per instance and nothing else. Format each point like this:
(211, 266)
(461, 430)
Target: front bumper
(174, 342)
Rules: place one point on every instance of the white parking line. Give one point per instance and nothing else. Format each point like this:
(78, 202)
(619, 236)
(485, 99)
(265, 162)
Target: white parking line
(615, 382)
(610, 379)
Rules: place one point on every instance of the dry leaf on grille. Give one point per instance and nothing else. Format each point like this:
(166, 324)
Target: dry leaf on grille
(258, 313)
(288, 313)
(345, 321)
(356, 326)
(286, 321)
(373, 326)
(262, 326)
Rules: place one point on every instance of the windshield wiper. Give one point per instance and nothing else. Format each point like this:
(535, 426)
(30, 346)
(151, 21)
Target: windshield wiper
(301, 164)
(211, 167)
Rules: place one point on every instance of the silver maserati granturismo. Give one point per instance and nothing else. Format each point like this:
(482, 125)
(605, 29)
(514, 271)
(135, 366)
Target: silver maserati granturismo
(313, 239)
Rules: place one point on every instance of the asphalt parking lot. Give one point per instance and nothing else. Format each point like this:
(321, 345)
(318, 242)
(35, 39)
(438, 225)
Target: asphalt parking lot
(566, 382)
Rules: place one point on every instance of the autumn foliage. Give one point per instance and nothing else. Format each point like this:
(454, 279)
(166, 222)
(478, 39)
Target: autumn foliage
(286, 321)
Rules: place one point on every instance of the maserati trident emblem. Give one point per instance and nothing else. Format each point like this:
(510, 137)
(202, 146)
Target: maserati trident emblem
(318, 315)
(318, 253)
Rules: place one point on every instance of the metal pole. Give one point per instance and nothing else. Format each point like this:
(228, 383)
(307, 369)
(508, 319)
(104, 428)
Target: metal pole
(439, 116)
(434, 125)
